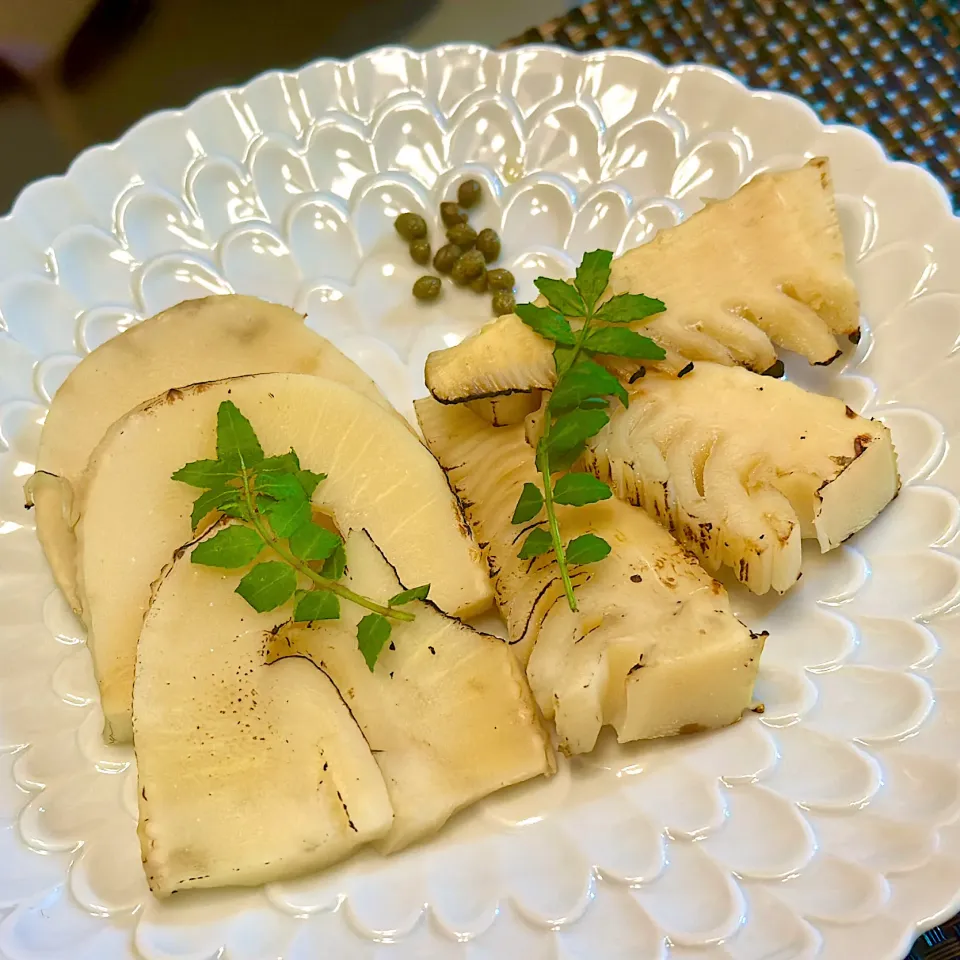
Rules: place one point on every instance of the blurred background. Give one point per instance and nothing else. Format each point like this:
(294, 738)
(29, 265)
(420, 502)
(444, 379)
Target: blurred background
(78, 72)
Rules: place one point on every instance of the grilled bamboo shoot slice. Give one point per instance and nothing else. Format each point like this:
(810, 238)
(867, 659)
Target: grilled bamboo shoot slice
(763, 268)
(446, 710)
(247, 772)
(379, 476)
(740, 467)
(653, 650)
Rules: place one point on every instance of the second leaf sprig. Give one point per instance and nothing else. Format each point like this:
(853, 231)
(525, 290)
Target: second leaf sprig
(576, 410)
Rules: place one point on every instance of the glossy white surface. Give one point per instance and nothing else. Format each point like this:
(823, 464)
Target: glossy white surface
(825, 828)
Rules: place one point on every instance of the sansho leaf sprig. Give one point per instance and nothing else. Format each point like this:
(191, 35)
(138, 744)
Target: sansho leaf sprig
(270, 498)
(581, 396)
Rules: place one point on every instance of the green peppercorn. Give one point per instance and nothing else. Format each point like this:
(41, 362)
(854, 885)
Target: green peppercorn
(467, 268)
(463, 235)
(479, 285)
(503, 303)
(500, 279)
(446, 257)
(451, 214)
(410, 226)
(469, 193)
(488, 243)
(420, 251)
(427, 288)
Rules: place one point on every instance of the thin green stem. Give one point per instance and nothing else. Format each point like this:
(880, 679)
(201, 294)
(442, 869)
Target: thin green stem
(544, 457)
(554, 525)
(273, 542)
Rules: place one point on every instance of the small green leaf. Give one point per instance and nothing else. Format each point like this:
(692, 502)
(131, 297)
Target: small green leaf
(529, 504)
(584, 381)
(408, 596)
(235, 546)
(588, 548)
(268, 585)
(211, 500)
(206, 474)
(562, 296)
(373, 631)
(285, 516)
(317, 605)
(236, 442)
(280, 486)
(547, 323)
(285, 463)
(538, 541)
(579, 489)
(313, 542)
(309, 481)
(593, 275)
(629, 308)
(570, 430)
(622, 342)
(567, 458)
(336, 564)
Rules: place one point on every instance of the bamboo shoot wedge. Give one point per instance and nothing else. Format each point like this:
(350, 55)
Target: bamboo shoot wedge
(446, 710)
(247, 772)
(194, 341)
(653, 650)
(379, 476)
(740, 467)
(762, 269)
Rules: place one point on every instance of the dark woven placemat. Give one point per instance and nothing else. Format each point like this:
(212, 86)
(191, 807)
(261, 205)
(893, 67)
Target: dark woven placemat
(890, 66)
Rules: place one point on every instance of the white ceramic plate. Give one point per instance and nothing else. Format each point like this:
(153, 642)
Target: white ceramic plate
(824, 828)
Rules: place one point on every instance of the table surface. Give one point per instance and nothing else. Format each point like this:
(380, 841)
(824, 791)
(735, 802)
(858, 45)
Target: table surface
(889, 66)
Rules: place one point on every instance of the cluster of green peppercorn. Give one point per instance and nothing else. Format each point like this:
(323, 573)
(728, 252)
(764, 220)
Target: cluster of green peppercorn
(464, 257)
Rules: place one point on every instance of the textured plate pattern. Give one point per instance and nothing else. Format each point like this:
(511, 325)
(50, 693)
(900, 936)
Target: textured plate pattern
(826, 828)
